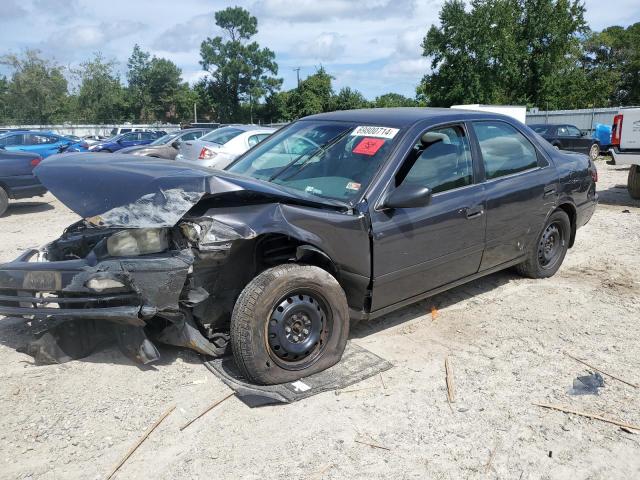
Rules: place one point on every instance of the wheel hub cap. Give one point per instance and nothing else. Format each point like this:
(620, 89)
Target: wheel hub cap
(295, 327)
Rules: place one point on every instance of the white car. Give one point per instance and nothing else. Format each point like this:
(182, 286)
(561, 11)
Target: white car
(219, 148)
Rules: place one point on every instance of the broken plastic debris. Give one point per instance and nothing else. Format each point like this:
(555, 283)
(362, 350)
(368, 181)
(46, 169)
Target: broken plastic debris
(587, 385)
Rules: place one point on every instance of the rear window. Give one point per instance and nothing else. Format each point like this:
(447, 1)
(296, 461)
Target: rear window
(222, 135)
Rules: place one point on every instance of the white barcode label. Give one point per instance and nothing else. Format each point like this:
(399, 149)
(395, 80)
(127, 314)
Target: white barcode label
(371, 131)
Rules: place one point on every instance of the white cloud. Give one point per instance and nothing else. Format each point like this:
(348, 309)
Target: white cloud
(314, 11)
(183, 37)
(327, 46)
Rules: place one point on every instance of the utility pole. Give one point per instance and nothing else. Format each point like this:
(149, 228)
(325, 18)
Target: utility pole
(195, 113)
(297, 70)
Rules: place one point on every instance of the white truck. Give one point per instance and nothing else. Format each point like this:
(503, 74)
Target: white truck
(625, 146)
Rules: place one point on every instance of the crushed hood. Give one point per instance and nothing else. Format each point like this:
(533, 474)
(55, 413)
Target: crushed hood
(120, 190)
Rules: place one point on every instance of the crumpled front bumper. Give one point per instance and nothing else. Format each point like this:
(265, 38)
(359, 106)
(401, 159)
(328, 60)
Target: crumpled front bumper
(58, 289)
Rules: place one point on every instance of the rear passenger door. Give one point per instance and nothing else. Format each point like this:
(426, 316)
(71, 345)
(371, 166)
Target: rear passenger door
(520, 189)
(418, 249)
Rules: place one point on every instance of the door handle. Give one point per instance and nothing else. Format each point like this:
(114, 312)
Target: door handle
(474, 212)
(548, 191)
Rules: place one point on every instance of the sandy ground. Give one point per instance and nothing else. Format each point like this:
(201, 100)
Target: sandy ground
(505, 336)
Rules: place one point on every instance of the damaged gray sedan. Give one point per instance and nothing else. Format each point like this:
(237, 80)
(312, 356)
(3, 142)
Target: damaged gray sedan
(338, 216)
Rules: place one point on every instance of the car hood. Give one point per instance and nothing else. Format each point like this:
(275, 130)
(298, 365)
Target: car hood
(139, 192)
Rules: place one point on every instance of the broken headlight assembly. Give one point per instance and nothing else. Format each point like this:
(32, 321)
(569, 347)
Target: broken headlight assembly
(210, 234)
(142, 241)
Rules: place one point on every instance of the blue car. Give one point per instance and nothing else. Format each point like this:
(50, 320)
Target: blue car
(41, 143)
(113, 144)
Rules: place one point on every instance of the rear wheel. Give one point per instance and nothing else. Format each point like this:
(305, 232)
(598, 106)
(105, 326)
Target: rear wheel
(553, 242)
(4, 201)
(633, 182)
(594, 151)
(289, 322)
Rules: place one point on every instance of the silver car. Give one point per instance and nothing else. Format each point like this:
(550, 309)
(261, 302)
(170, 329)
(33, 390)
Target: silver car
(219, 148)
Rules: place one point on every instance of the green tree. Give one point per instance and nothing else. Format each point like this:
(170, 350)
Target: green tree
(156, 91)
(240, 71)
(100, 97)
(505, 51)
(349, 99)
(389, 100)
(37, 92)
(612, 59)
(314, 95)
(4, 92)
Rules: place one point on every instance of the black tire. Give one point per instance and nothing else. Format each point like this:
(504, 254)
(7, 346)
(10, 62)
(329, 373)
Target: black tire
(594, 151)
(633, 182)
(305, 299)
(548, 253)
(4, 201)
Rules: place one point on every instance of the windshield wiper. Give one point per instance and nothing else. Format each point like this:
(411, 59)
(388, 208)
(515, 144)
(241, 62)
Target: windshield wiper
(313, 154)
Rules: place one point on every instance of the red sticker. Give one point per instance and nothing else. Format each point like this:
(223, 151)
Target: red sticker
(369, 146)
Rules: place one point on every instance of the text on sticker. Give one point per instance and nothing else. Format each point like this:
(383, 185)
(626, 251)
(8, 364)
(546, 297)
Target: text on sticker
(371, 131)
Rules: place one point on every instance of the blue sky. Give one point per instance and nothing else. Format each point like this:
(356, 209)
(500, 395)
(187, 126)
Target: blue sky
(370, 45)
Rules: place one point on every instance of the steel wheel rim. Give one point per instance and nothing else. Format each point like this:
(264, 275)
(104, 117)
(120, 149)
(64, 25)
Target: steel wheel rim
(550, 245)
(594, 152)
(298, 328)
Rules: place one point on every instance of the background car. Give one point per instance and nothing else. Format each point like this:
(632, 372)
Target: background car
(41, 143)
(124, 140)
(568, 137)
(167, 145)
(222, 146)
(93, 139)
(16, 177)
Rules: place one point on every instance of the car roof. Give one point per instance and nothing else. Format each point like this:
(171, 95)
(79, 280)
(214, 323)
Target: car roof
(403, 116)
(246, 128)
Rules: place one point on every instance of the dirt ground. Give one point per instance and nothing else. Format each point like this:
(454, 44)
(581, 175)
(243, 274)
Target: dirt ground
(506, 338)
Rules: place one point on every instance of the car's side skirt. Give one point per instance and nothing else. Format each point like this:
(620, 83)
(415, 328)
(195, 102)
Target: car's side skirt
(356, 315)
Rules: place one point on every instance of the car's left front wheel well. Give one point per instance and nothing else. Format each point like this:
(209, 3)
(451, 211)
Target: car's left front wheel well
(278, 249)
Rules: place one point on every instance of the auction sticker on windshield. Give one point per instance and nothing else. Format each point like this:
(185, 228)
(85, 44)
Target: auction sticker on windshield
(369, 146)
(371, 131)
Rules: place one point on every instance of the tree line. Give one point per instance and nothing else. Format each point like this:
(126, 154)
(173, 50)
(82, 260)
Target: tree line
(527, 52)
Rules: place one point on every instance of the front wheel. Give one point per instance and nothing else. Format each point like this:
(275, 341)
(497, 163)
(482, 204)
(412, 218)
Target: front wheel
(545, 258)
(289, 322)
(594, 151)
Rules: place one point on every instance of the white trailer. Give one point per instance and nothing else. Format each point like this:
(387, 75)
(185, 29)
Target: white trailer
(513, 111)
(625, 146)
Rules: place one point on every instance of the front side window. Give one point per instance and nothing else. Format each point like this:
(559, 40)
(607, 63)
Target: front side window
(129, 137)
(504, 149)
(563, 131)
(322, 158)
(440, 160)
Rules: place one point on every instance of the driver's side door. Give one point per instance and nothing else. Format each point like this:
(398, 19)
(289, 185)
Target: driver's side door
(416, 250)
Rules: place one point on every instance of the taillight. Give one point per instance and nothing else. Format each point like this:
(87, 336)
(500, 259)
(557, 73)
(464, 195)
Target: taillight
(616, 130)
(35, 162)
(206, 154)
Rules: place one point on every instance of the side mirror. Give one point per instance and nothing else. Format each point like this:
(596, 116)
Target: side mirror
(176, 144)
(408, 196)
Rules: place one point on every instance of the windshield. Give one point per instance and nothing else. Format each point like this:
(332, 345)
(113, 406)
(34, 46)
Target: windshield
(165, 139)
(541, 129)
(222, 135)
(327, 159)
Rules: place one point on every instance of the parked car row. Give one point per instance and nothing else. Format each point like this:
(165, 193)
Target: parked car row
(17, 180)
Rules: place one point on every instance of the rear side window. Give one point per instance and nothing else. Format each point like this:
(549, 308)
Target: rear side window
(10, 140)
(573, 131)
(505, 150)
(256, 139)
(222, 135)
(440, 160)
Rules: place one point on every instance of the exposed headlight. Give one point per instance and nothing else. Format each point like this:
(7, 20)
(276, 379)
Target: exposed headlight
(140, 241)
(211, 234)
(103, 284)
